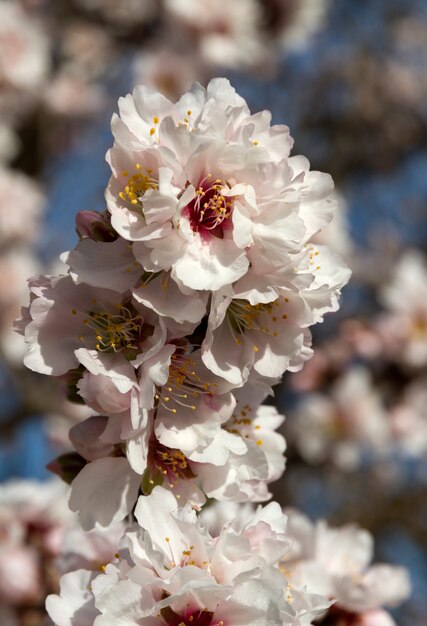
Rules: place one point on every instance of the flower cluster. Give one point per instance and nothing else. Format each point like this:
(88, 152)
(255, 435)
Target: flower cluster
(185, 302)
(332, 562)
(232, 564)
(335, 562)
(170, 570)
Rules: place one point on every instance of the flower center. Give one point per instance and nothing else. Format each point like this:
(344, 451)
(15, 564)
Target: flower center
(190, 618)
(137, 185)
(336, 616)
(184, 385)
(244, 317)
(116, 331)
(210, 211)
(172, 463)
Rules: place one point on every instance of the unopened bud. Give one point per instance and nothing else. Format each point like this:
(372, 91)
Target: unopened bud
(67, 466)
(95, 225)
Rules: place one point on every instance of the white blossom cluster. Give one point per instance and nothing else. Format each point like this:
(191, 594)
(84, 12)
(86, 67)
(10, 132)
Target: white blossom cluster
(183, 304)
(170, 570)
(232, 564)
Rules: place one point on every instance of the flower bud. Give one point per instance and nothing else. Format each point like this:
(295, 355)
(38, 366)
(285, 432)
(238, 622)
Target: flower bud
(94, 225)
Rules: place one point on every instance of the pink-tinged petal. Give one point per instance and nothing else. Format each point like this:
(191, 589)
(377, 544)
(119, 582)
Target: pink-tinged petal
(210, 266)
(104, 492)
(109, 265)
(74, 606)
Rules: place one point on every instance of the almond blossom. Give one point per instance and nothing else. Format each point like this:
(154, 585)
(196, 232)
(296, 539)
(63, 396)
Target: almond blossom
(33, 519)
(226, 34)
(344, 424)
(404, 327)
(336, 562)
(227, 449)
(200, 280)
(24, 49)
(218, 161)
(170, 569)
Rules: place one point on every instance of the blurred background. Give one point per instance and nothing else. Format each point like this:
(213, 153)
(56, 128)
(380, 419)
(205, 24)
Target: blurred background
(349, 78)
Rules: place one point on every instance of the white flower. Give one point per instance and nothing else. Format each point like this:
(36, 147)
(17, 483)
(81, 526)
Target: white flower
(344, 424)
(104, 492)
(335, 562)
(206, 190)
(170, 570)
(226, 34)
(33, 519)
(404, 328)
(195, 441)
(264, 322)
(23, 49)
(305, 20)
(101, 329)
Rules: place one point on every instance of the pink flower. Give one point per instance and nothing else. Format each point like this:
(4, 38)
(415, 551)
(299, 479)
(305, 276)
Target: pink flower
(101, 329)
(205, 189)
(170, 569)
(336, 562)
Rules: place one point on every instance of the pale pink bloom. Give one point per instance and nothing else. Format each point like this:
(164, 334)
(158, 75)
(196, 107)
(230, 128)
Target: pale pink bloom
(408, 420)
(343, 424)
(24, 49)
(226, 34)
(20, 575)
(169, 568)
(404, 328)
(33, 518)
(88, 550)
(231, 450)
(245, 477)
(104, 492)
(70, 95)
(306, 18)
(21, 206)
(191, 403)
(165, 70)
(73, 324)
(194, 442)
(336, 234)
(264, 322)
(336, 562)
(207, 190)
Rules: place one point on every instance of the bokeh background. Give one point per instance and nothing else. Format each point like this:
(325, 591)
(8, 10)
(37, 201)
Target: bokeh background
(349, 78)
